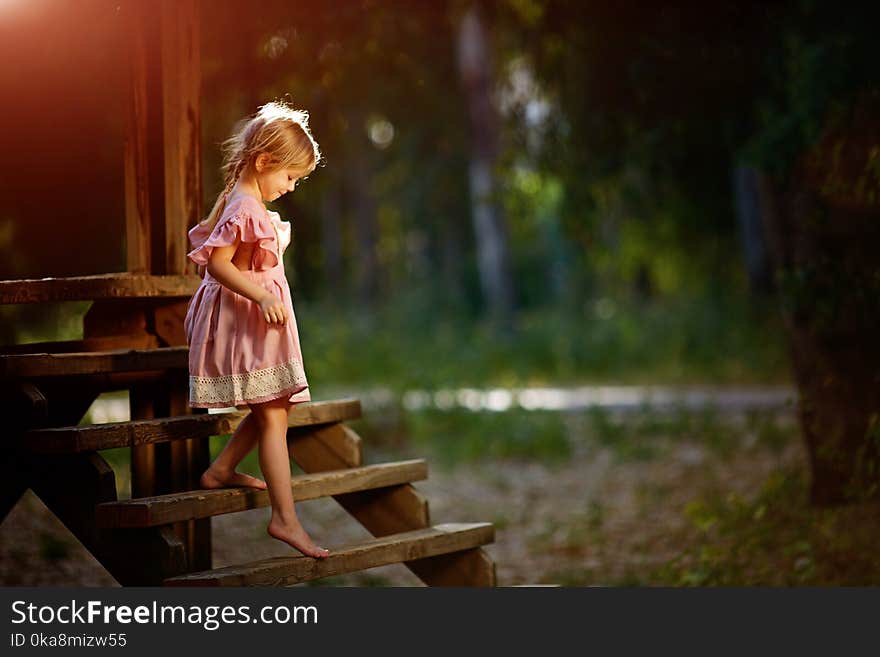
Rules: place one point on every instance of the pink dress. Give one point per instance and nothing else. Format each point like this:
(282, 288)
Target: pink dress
(235, 356)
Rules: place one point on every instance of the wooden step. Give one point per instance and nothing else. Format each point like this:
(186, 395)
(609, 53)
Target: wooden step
(165, 509)
(395, 548)
(34, 366)
(101, 286)
(89, 345)
(94, 437)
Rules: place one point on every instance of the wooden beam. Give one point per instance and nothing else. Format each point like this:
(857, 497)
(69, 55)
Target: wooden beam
(30, 366)
(100, 286)
(285, 571)
(94, 437)
(175, 507)
(327, 448)
(468, 568)
(106, 343)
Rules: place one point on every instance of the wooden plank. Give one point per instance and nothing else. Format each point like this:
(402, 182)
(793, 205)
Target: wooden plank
(102, 343)
(285, 571)
(100, 286)
(164, 509)
(29, 366)
(324, 412)
(149, 431)
(102, 381)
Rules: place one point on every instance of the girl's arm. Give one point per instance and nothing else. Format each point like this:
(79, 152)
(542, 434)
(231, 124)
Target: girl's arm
(227, 274)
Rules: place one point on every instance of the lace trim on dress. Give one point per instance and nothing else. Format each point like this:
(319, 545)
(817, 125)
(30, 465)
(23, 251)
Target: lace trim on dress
(258, 385)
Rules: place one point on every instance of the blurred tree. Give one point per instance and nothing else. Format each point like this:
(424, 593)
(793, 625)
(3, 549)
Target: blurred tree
(477, 74)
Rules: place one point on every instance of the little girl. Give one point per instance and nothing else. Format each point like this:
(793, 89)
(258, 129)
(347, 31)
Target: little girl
(243, 341)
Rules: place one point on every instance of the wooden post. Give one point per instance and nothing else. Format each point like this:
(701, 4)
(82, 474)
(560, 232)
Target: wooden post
(139, 28)
(163, 199)
(181, 123)
(144, 192)
(143, 457)
(182, 126)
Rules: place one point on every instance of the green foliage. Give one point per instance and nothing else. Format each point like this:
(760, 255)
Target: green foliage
(458, 435)
(416, 344)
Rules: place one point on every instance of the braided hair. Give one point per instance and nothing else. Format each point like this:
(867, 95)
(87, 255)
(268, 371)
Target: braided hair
(276, 129)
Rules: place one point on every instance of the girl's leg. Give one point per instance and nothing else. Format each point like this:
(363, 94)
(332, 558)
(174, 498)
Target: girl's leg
(275, 463)
(222, 472)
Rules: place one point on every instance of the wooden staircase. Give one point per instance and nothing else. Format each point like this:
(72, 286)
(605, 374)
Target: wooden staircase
(153, 539)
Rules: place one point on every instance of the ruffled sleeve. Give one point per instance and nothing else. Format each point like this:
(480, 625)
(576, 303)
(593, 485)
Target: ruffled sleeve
(251, 225)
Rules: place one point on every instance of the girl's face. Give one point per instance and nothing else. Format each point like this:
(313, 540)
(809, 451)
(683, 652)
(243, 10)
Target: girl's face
(275, 184)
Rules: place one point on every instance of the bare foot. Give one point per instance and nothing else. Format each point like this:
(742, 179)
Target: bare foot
(296, 538)
(213, 479)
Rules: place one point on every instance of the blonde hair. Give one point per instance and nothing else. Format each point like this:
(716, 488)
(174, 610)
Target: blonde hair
(276, 129)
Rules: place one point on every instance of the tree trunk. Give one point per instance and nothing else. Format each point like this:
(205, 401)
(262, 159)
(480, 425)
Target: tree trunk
(489, 223)
(824, 229)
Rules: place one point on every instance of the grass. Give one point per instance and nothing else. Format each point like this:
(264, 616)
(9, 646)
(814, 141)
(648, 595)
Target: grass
(454, 436)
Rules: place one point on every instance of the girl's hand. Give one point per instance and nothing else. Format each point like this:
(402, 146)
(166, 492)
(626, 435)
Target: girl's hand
(273, 309)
